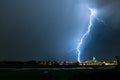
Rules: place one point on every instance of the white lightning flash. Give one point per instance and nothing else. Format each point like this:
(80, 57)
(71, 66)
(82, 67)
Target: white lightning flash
(92, 14)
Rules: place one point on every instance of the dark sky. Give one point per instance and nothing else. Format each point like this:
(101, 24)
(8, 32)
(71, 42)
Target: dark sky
(50, 29)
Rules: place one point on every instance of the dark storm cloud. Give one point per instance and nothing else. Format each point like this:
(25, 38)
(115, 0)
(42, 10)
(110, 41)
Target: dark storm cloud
(49, 29)
(40, 29)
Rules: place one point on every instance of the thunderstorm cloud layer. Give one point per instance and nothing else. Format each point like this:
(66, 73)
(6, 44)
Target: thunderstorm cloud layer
(51, 29)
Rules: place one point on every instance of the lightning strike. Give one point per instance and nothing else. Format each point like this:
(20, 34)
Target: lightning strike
(92, 14)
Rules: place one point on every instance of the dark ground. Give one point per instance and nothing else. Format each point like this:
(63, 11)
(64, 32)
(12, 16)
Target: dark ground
(78, 74)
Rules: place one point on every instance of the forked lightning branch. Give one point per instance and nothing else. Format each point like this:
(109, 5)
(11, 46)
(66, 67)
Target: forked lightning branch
(91, 16)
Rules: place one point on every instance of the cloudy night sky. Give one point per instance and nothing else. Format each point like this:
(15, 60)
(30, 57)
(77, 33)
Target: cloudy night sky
(51, 29)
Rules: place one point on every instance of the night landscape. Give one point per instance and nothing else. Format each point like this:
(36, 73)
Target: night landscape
(59, 40)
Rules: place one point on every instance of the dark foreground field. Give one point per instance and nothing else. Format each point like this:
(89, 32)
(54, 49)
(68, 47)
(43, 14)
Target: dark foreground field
(78, 74)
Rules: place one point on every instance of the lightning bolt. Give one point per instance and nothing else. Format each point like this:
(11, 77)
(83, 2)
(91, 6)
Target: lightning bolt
(92, 14)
